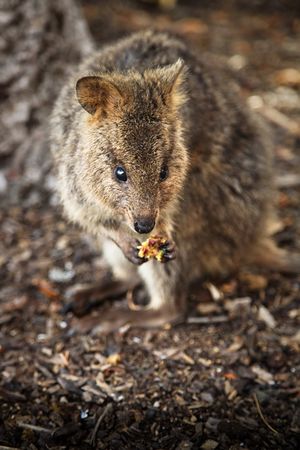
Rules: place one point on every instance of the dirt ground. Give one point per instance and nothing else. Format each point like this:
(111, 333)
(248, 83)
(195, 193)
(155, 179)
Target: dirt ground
(228, 378)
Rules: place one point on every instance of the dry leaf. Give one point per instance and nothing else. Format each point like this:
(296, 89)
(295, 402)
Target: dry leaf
(230, 376)
(46, 288)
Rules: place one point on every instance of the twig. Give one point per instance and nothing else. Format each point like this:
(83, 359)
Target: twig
(287, 180)
(207, 320)
(12, 396)
(92, 439)
(3, 447)
(261, 415)
(280, 119)
(34, 427)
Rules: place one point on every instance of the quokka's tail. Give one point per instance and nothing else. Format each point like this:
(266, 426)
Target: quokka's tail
(269, 256)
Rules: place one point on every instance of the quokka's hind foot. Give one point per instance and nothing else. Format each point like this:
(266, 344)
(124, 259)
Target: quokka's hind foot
(82, 298)
(267, 255)
(117, 316)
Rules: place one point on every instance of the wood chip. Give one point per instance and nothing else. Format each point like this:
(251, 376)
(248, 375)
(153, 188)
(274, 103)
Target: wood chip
(237, 304)
(16, 304)
(205, 362)
(254, 282)
(288, 77)
(208, 308)
(230, 391)
(114, 359)
(262, 375)
(207, 320)
(215, 293)
(236, 345)
(287, 180)
(265, 315)
(187, 359)
(209, 444)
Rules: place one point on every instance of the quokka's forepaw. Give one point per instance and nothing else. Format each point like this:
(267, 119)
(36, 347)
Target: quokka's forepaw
(169, 252)
(132, 254)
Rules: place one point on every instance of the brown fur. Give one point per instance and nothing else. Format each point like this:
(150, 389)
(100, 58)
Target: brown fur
(144, 103)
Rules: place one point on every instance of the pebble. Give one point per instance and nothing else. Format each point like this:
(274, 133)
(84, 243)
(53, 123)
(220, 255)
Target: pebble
(59, 275)
(209, 444)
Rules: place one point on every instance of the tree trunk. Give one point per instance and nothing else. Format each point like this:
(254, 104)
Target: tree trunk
(40, 41)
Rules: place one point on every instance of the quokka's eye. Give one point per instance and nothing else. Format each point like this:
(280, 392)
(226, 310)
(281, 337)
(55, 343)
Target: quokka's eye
(163, 173)
(120, 174)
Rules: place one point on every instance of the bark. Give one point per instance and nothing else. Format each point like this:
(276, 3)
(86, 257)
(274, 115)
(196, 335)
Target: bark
(40, 41)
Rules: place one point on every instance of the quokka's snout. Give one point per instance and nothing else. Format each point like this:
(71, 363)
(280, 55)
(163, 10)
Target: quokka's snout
(144, 225)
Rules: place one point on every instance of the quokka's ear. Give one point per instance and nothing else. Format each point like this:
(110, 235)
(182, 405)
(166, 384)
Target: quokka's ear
(174, 73)
(173, 77)
(98, 94)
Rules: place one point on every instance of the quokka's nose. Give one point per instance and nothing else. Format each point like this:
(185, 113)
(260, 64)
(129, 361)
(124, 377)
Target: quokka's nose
(144, 226)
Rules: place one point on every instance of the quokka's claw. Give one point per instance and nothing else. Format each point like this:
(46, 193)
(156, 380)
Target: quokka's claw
(169, 252)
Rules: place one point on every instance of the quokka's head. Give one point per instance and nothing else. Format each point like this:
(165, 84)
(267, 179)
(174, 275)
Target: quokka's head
(133, 157)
